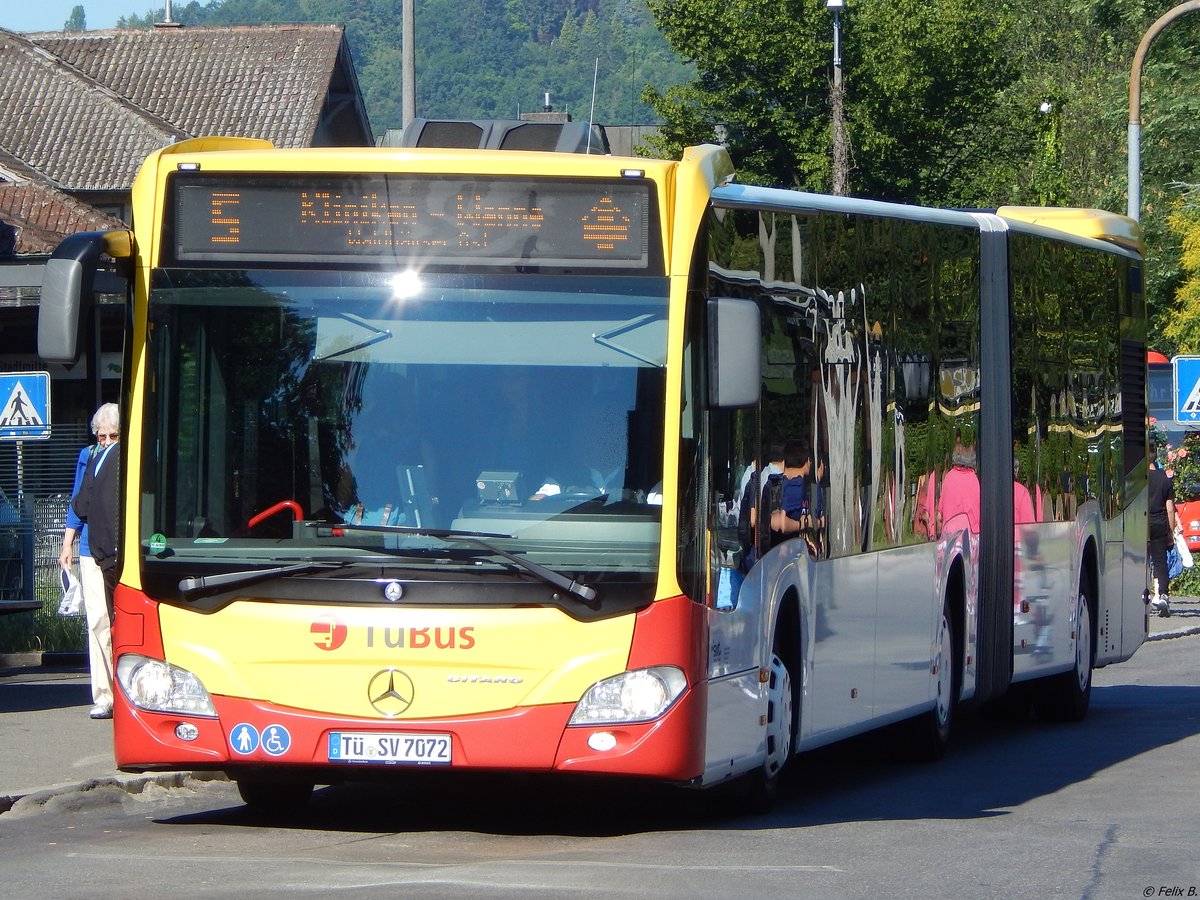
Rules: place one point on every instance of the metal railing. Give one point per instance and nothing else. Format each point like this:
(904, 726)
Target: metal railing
(33, 506)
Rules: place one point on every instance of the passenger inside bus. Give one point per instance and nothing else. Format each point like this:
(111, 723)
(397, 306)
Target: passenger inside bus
(792, 515)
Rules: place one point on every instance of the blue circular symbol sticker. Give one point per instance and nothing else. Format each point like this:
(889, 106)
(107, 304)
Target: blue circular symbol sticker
(276, 740)
(243, 739)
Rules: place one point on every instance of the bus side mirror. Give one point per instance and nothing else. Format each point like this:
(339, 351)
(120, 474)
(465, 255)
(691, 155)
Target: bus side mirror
(59, 319)
(68, 285)
(734, 353)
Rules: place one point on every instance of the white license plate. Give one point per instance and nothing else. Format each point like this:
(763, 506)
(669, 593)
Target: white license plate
(389, 747)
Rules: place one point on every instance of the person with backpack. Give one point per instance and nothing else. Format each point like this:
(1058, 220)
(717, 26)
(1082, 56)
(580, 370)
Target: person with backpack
(791, 513)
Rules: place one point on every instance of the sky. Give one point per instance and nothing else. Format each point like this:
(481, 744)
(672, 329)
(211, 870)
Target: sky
(49, 15)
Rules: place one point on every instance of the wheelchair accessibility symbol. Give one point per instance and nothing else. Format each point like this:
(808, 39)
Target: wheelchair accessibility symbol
(276, 740)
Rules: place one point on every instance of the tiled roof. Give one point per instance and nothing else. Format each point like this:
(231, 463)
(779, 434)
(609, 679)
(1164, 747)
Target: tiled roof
(40, 214)
(46, 106)
(114, 96)
(252, 81)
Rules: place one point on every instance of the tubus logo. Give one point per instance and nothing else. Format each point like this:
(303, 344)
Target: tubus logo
(332, 633)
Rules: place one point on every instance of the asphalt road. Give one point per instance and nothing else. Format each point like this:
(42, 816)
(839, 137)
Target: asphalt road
(1102, 809)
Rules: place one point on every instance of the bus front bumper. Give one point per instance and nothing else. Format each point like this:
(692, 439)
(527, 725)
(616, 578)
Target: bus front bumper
(253, 735)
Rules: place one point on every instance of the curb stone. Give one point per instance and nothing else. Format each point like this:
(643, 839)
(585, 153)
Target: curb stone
(133, 784)
(1168, 635)
(23, 659)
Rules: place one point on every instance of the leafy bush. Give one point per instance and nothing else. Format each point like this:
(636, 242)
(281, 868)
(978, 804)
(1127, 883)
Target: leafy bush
(44, 629)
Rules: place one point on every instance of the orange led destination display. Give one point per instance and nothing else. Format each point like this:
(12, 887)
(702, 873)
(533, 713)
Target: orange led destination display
(432, 220)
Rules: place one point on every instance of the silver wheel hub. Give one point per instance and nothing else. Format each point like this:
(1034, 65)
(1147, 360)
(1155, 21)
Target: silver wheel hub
(1083, 643)
(944, 674)
(779, 718)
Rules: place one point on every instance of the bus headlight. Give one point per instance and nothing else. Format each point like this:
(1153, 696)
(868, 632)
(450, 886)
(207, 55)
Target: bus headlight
(158, 686)
(637, 696)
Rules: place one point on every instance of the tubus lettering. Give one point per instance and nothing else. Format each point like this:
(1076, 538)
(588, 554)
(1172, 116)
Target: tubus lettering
(413, 638)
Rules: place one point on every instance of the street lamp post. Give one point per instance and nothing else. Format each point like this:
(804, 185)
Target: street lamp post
(1135, 102)
(408, 75)
(837, 98)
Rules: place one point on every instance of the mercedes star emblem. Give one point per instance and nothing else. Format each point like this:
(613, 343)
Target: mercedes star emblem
(390, 692)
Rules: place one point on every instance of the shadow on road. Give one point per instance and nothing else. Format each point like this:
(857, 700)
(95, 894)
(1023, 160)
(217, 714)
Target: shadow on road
(27, 696)
(992, 766)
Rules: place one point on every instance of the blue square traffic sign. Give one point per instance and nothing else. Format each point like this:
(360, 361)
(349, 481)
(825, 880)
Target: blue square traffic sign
(1187, 389)
(25, 415)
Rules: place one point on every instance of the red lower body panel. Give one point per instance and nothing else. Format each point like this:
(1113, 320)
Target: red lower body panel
(533, 739)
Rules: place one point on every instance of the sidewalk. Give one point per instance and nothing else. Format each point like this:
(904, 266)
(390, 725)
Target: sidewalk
(48, 743)
(1183, 621)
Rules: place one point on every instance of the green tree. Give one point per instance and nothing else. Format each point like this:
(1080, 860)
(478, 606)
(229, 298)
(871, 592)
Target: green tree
(930, 119)
(760, 77)
(1170, 136)
(77, 21)
(925, 88)
(1183, 328)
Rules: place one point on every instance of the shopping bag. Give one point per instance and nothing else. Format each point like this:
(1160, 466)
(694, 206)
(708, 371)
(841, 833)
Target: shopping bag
(71, 603)
(1185, 555)
(1174, 563)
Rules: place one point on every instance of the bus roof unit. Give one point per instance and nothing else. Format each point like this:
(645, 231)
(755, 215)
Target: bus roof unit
(1090, 223)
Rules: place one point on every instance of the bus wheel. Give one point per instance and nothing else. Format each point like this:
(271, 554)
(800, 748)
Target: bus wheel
(762, 785)
(1066, 697)
(274, 796)
(930, 732)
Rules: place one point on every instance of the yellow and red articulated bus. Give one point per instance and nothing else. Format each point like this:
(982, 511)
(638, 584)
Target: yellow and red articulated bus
(564, 463)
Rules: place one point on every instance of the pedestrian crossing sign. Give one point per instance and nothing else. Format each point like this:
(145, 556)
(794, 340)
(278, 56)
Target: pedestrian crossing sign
(1187, 389)
(25, 415)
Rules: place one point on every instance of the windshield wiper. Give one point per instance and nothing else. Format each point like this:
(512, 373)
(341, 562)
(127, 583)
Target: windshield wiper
(378, 334)
(229, 579)
(554, 579)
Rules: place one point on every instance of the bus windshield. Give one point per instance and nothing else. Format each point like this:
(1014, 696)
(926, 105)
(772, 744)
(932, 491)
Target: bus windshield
(308, 415)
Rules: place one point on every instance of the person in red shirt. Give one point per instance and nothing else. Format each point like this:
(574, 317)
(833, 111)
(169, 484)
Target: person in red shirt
(959, 495)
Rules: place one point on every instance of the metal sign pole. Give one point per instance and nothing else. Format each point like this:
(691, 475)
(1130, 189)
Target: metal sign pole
(27, 585)
(21, 475)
